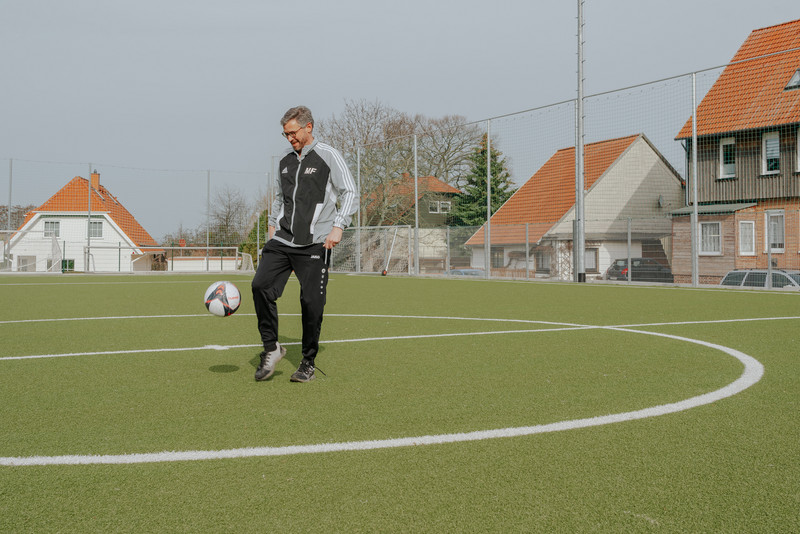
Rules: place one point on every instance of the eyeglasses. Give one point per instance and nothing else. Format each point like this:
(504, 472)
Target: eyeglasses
(287, 135)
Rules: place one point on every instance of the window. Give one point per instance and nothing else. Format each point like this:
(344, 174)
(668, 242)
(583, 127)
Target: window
(95, 228)
(727, 157)
(542, 261)
(498, 257)
(794, 82)
(590, 260)
(775, 231)
(52, 229)
(771, 153)
(756, 279)
(439, 206)
(67, 265)
(747, 238)
(710, 238)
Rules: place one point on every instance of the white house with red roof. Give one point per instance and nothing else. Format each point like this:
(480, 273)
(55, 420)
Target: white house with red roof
(626, 179)
(748, 145)
(83, 227)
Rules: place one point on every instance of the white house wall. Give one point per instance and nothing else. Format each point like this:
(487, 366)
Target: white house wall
(631, 188)
(72, 240)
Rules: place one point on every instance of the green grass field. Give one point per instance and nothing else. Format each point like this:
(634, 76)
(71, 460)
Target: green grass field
(141, 371)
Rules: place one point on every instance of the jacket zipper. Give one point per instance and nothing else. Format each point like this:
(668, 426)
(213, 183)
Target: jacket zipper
(294, 193)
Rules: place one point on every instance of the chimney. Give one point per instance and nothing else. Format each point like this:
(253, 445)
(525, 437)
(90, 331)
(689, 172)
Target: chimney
(96, 180)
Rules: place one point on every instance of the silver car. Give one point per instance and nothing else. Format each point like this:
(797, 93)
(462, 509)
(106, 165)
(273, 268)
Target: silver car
(758, 278)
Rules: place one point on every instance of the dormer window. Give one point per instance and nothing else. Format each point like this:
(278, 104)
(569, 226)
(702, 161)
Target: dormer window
(794, 83)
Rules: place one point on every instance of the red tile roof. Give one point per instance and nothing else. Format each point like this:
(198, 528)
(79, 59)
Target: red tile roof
(427, 184)
(404, 191)
(750, 94)
(550, 193)
(73, 197)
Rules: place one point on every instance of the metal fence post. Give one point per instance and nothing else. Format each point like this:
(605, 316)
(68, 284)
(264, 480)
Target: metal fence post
(416, 211)
(358, 214)
(630, 267)
(487, 234)
(527, 252)
(447, 251)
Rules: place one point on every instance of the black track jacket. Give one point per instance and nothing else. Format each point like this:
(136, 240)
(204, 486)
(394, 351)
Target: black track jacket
(310, 185)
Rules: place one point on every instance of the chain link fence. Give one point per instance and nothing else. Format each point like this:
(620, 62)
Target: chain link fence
(493, 198)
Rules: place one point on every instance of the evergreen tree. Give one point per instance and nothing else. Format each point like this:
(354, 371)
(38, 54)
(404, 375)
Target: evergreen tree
(470, 209)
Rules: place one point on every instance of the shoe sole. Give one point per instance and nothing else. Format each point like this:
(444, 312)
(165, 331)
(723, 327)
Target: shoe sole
(265, 377)
(296, 379)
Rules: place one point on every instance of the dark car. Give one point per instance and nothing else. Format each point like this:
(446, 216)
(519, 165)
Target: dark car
(644, 270)
(758, 278)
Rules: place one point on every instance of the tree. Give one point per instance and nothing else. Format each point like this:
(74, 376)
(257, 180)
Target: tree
(444, 147)
(229, 220)
(470, 208)
(229, 216)
(17, 215)
(385, 138)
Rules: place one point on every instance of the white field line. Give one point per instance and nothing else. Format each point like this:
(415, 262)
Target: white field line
(753, 371)
(208, 315)
(354, 340)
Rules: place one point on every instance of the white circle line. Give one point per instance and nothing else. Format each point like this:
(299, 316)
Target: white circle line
(753, 371)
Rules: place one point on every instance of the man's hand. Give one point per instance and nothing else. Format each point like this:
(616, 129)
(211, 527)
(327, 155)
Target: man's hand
(333, 238)
(271, 231)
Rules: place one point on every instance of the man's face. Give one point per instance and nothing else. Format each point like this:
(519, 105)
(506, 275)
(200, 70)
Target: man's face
(297, 134)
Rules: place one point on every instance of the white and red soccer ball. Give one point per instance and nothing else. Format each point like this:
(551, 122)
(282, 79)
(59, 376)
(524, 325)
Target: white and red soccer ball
(222, 298)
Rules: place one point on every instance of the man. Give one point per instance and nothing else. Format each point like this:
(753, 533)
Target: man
(304, 225)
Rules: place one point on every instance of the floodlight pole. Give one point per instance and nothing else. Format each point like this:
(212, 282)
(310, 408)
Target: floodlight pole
(694, 217)
(579, 238)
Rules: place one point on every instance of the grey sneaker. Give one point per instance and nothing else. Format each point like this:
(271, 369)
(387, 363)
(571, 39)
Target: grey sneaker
(304, 373)
(268, 362)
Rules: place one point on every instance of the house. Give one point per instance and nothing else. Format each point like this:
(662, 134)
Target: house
(625, 179)
(394, 205)
(748, 160)
(54, 236)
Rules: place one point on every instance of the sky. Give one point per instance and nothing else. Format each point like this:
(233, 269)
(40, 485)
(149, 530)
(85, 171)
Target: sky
(200, 84)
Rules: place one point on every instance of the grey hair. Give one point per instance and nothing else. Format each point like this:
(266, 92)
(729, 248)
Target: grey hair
(300, 113)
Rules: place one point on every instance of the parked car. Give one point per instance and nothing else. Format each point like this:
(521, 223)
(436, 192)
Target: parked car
(467, 272)
(644, 270)
(758, 278)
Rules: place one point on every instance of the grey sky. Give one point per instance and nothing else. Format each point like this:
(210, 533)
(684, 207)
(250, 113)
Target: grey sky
(196, 84)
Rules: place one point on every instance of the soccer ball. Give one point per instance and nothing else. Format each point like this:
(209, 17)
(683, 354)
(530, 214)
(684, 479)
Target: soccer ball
(222, 298)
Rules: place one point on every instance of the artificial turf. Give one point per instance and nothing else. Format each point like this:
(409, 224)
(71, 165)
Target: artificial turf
(144, 380)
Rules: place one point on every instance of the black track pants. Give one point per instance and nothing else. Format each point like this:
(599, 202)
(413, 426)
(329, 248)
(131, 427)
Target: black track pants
(310, 265)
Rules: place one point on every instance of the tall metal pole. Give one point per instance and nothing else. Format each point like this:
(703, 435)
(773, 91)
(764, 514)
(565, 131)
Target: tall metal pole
(7, 238)
(487, 245)
(208, 213)
(10, 180)
(358, 214)
(694, 218)
(579, 239)
(416, 211)
(88, 221)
